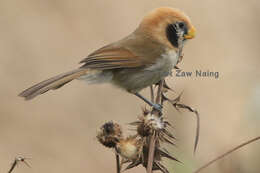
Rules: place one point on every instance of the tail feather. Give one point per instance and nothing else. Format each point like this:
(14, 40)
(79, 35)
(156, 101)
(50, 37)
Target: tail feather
(52, 83)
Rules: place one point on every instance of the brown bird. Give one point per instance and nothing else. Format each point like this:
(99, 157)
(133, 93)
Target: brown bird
(139, 60)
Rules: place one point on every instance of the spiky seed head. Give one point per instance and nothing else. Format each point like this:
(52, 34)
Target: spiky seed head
(109, 134)
(129, 148)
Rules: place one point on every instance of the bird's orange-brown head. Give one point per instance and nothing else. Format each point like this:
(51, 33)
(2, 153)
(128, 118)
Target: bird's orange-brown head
(161, 23)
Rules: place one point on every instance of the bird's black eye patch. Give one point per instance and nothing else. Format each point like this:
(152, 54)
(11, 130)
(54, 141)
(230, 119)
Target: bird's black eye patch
(172, 33)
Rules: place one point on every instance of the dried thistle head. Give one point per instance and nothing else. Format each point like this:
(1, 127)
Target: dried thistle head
(110, 134)
(130, 148)
(149, 123)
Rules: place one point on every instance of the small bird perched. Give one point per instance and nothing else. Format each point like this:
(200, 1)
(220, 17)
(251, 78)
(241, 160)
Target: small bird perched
(133, 63)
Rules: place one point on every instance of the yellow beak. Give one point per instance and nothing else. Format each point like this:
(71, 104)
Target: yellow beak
(191, 33)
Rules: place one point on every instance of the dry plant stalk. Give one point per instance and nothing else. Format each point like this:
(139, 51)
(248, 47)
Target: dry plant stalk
(117, 163)
(153, 138)
(177, 105)
(226, 153)
(16, 161)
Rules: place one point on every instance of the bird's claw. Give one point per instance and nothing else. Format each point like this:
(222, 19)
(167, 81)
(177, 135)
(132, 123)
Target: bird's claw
(157, 107)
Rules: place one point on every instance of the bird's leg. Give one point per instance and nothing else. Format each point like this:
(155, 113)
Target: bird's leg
(154, 105)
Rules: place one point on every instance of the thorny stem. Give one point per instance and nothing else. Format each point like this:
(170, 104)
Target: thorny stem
(177, 106)
(183, 106)
(117, 164)
(13, 166)
(197, 132)
(151, 153)
(226, 153)
(152, 93)
(152, 139)
(159, 92)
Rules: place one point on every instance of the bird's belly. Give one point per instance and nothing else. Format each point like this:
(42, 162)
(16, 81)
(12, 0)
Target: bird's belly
(134, 80)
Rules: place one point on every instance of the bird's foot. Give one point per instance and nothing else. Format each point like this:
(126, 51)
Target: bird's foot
(157, 107)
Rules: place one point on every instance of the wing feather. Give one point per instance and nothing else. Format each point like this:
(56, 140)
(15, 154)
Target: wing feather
(111, 57)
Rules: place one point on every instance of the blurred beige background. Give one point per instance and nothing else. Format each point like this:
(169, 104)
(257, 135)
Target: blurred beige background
(40, 39)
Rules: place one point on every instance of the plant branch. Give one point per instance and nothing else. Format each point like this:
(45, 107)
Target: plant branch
(152, 93)
(175, 103)
(183, 106)
(16, 161)
(159, 92)
(117, 164)
(152, 139)
(151, 153)
(226, 153)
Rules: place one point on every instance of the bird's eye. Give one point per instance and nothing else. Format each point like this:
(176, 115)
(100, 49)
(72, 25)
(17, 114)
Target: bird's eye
(181, 25)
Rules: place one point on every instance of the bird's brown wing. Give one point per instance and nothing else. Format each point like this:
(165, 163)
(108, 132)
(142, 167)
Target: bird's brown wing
(108, 57)
(112, 57)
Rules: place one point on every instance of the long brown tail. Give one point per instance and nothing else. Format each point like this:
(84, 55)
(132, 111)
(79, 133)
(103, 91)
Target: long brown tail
(52, 83)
